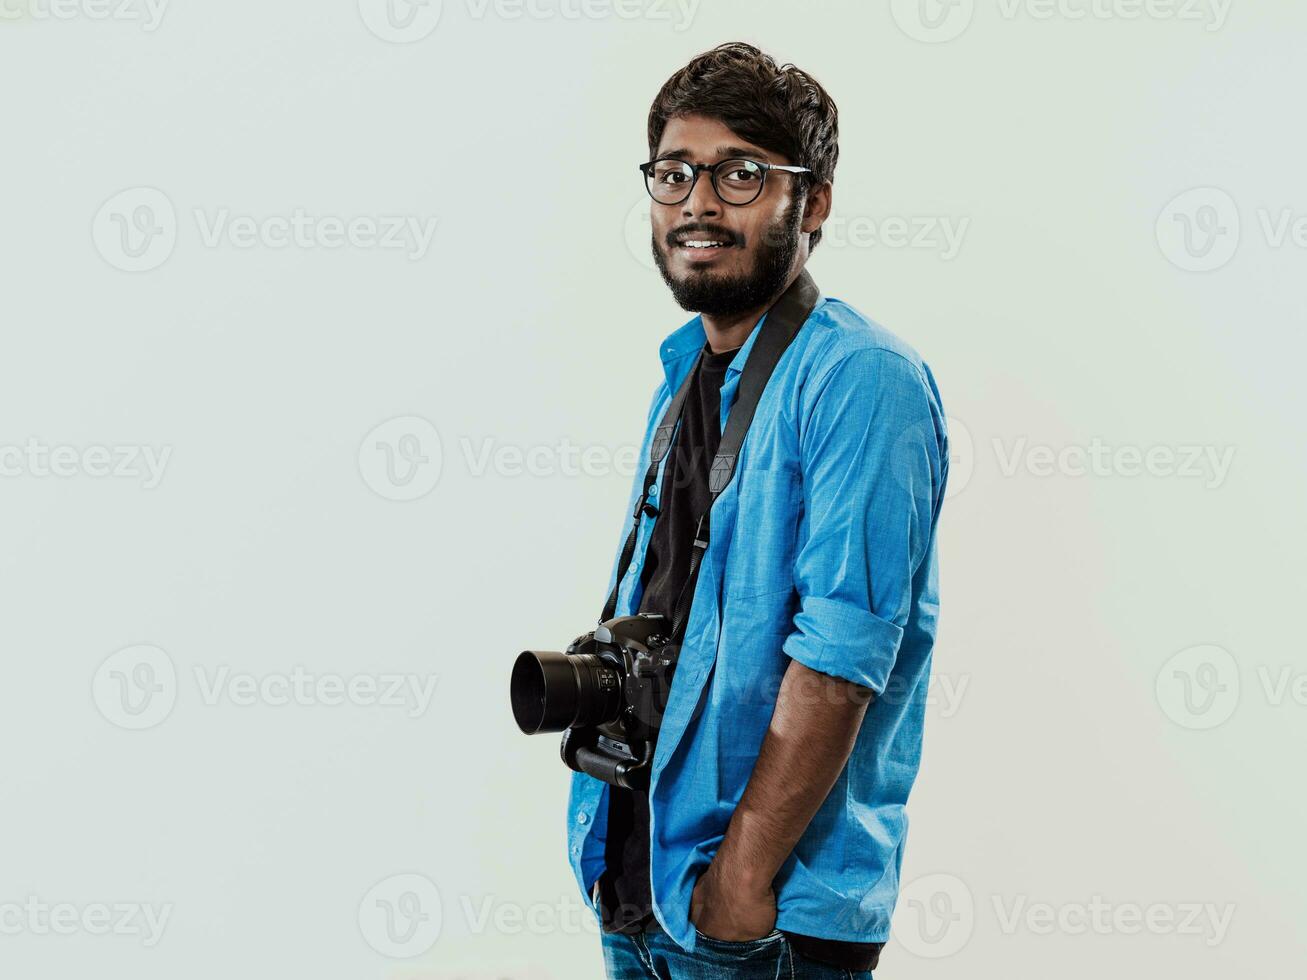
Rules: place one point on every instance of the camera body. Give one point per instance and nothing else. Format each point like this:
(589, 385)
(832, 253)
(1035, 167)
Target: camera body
(607, 693)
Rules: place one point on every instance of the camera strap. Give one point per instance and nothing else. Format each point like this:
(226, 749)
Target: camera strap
(780, 325)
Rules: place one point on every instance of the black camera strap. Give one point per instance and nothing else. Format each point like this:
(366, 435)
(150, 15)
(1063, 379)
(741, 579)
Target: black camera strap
(780, 325)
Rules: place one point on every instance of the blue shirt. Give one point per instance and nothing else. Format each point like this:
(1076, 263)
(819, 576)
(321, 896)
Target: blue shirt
(823, 551)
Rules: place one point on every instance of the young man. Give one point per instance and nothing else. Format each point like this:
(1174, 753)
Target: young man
(770, 840)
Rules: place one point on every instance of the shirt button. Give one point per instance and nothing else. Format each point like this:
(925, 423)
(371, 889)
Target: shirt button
(576, 850)
(581, 818)
(653, 490)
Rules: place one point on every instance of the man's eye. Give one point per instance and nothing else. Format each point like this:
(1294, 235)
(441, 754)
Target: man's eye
(741, 175)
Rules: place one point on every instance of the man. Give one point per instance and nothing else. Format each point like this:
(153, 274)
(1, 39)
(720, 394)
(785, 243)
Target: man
(770, 840)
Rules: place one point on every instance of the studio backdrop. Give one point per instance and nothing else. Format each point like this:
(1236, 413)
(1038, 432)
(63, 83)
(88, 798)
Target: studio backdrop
(329, 334)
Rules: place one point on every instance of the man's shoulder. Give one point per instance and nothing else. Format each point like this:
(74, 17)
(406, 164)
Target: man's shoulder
(838, 330)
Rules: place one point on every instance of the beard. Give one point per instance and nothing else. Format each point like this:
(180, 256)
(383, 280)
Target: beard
(711, 293)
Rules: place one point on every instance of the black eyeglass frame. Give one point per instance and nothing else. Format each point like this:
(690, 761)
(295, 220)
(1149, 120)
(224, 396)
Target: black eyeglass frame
(697, 168)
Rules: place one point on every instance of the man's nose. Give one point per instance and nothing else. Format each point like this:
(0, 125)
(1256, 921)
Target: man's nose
(703, 199)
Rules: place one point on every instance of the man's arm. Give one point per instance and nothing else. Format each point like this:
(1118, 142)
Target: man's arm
(813, 727)
(874, 460)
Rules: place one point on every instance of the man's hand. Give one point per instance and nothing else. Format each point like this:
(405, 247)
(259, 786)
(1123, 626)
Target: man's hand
(731, 911)
(812, 731)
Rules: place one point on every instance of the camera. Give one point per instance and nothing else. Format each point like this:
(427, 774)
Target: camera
(606, 693)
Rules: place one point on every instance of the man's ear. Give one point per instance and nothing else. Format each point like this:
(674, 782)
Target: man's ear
(816, 207)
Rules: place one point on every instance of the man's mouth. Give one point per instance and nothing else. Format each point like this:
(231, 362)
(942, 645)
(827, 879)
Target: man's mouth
(702, 246)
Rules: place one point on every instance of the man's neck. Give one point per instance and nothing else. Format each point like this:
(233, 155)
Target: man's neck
(728, 332)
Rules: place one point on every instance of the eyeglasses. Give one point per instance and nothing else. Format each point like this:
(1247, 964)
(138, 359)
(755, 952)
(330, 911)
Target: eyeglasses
(736, 181)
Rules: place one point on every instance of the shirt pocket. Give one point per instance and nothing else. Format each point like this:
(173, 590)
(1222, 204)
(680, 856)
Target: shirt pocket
(763, 545)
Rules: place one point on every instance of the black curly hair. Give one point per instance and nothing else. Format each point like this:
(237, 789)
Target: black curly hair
(781, 108)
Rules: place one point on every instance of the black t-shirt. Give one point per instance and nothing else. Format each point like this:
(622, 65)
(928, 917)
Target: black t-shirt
(625, 899)
(683, 496)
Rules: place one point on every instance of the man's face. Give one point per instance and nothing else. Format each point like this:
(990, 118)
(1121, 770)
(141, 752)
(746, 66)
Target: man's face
(762, 238)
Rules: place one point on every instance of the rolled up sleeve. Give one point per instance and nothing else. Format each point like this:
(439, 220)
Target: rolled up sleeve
(873, 446)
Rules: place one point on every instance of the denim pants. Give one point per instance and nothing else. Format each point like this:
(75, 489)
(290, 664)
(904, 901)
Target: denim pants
(652, 955)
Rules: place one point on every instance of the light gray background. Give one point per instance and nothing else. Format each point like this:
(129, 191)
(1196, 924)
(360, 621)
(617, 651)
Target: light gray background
(1116, 736)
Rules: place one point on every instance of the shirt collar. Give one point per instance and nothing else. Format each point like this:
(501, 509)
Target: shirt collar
(687, 341)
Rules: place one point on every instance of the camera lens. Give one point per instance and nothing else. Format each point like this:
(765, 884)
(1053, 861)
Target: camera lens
(553, 691)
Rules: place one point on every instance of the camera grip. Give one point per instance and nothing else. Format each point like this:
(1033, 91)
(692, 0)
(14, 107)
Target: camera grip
(615, 771)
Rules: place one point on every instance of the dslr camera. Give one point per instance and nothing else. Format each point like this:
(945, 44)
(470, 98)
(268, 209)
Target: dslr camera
(607, 693)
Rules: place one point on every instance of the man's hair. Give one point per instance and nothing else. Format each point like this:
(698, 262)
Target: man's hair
(782, 108)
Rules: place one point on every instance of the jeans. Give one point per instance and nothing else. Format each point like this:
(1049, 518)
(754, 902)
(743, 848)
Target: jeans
(652, 955)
